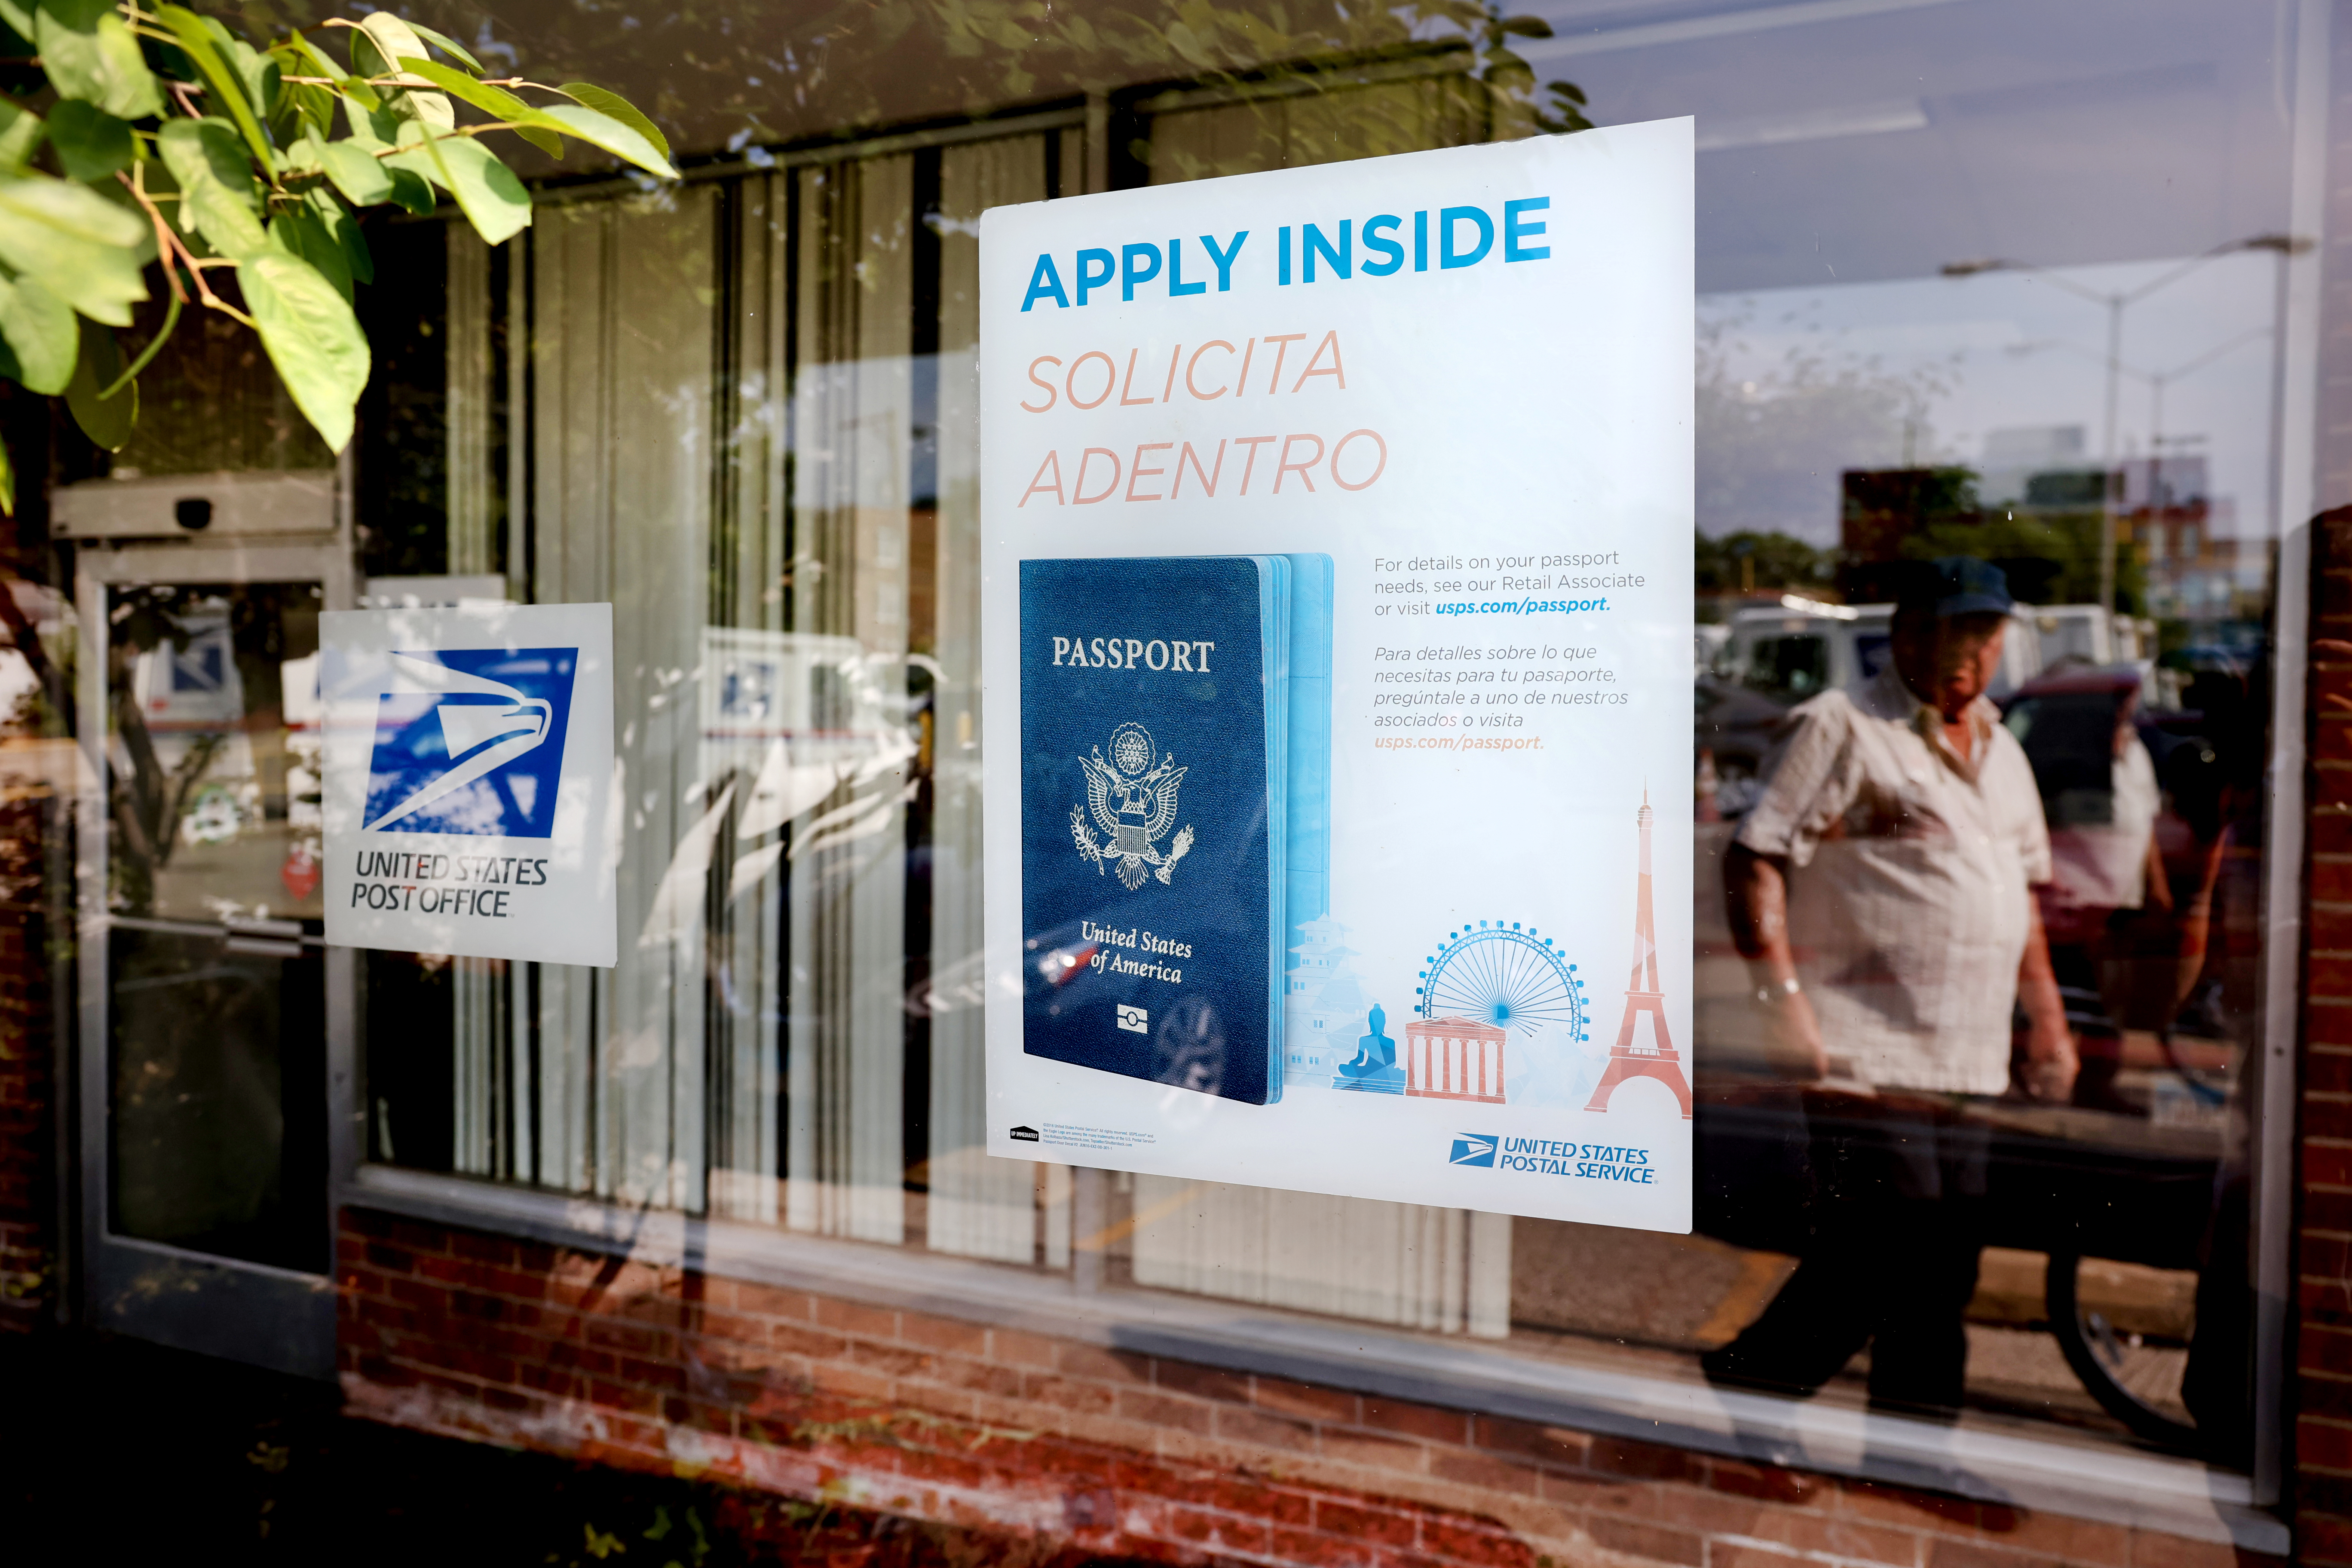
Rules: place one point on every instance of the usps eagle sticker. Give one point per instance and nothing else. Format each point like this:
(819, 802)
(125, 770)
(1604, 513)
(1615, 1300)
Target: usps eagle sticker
(469, 777)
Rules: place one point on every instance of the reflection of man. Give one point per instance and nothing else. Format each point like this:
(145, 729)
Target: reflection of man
(1892, 847)
(2108, 897)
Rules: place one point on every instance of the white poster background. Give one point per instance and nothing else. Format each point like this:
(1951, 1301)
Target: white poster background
(477, 895)
(1528, 408)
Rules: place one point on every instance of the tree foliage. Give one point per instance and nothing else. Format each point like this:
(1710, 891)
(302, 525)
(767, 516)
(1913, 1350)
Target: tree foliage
(1751, 560)
(146, 137)
(724, 73)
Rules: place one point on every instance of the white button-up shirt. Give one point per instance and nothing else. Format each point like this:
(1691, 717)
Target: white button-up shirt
(1907, 892)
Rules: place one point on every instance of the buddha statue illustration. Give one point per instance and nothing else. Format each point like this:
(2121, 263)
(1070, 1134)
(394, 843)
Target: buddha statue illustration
(1374, 1070)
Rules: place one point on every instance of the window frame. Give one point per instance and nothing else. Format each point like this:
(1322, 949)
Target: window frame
(2097, 1480)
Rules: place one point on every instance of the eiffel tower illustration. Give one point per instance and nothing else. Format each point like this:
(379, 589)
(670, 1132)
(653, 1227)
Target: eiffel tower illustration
(1655, 1058)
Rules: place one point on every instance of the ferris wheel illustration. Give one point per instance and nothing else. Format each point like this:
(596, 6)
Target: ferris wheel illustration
(1502, 973)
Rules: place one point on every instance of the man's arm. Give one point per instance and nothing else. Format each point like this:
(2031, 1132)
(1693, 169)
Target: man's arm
(2050, 1058)
(1755, 892)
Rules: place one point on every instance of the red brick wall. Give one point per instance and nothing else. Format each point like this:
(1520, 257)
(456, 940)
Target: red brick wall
(2322, 1437)
(1072, 1447)
(27, 1127)
(2321, 1460)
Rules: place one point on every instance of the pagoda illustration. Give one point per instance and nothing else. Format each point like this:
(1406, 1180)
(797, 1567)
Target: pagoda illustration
(1322, 1003)
(1656, 1057)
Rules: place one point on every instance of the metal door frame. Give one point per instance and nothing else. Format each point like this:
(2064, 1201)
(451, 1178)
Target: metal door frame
(267, 1316)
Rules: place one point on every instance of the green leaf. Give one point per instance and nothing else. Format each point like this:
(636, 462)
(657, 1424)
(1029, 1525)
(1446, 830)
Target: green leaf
(316, 105)
(19, 18)
(319, 65)
(94, 58)
(197, 41)
(107, 421)
(41, 340)
(76, 244)
(7, 484)
(362, 179)
(91, 142)
(346, 230)
(207, 150)
(20, 134)
(413, 192)
(495, 100)
(618, 108)
(298, 232)
(305, 155)
(600, 130)
(546, 141)
(312, 338)
(492, 199)
(348, 85)
(372, 130)
(383, 38)
(258, 74)
(219, 197)
(447, 46)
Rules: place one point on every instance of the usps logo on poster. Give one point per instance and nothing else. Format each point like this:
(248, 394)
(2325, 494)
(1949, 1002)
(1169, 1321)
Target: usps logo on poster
(476, 746)
(469, 777)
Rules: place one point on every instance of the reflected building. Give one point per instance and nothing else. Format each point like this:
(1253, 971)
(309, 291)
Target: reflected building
(2198, 566)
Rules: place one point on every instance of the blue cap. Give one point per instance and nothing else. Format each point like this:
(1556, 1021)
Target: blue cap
(1954, 585)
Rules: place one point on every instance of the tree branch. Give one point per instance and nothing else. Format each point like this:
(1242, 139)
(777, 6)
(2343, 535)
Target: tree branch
(168, 242)
(165, 240)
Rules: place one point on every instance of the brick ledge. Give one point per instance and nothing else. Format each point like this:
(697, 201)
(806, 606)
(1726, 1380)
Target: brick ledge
(2077, 1479)
(1054, 1508)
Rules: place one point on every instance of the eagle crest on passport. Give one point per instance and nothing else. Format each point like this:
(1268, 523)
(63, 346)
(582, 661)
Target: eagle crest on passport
(1132, 797)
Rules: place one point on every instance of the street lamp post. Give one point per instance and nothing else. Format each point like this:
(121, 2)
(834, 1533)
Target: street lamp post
(2115, 302)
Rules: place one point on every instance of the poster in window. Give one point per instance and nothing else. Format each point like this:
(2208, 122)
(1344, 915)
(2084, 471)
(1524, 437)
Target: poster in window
(1337, 622)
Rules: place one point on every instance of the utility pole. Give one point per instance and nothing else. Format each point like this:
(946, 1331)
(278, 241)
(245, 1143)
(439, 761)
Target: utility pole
(2110, 460)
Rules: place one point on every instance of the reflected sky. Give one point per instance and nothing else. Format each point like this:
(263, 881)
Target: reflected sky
(1842, 141)
(1902, 135)
(1947, 362)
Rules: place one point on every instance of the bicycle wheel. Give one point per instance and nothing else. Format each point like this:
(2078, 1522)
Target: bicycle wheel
(2097, 1355)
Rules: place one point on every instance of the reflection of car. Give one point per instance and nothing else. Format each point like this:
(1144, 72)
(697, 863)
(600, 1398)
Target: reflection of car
(2066, 721)
(1706, 645)
(1736, 730)
(2088, 634)
(1803, 647)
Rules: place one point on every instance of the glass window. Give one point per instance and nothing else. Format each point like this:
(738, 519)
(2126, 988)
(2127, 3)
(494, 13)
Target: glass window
(214, 747)
(1996, 283)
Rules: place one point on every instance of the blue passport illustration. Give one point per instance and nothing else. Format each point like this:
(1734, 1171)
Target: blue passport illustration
(1175, 737)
